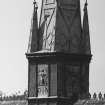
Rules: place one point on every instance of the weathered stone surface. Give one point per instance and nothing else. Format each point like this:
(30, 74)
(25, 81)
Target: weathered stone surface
(61, 46)
(68, 26)
(32, 80)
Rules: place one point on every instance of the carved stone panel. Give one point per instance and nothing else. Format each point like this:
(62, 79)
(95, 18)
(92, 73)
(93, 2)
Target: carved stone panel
(49, 30)
(47, 25)
(42, 80)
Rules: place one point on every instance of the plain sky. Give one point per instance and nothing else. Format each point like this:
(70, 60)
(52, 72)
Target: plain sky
(15, 23)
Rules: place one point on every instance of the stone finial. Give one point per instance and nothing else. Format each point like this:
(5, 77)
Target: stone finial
(94, 96)
(35, 5)
(89, 96)
(100, 96)
(104, 95)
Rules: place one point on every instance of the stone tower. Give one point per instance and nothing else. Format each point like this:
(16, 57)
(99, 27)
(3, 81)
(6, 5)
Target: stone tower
(58, 54)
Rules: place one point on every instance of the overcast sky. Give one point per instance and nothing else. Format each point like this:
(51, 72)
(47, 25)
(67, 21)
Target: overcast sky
(15, 22)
